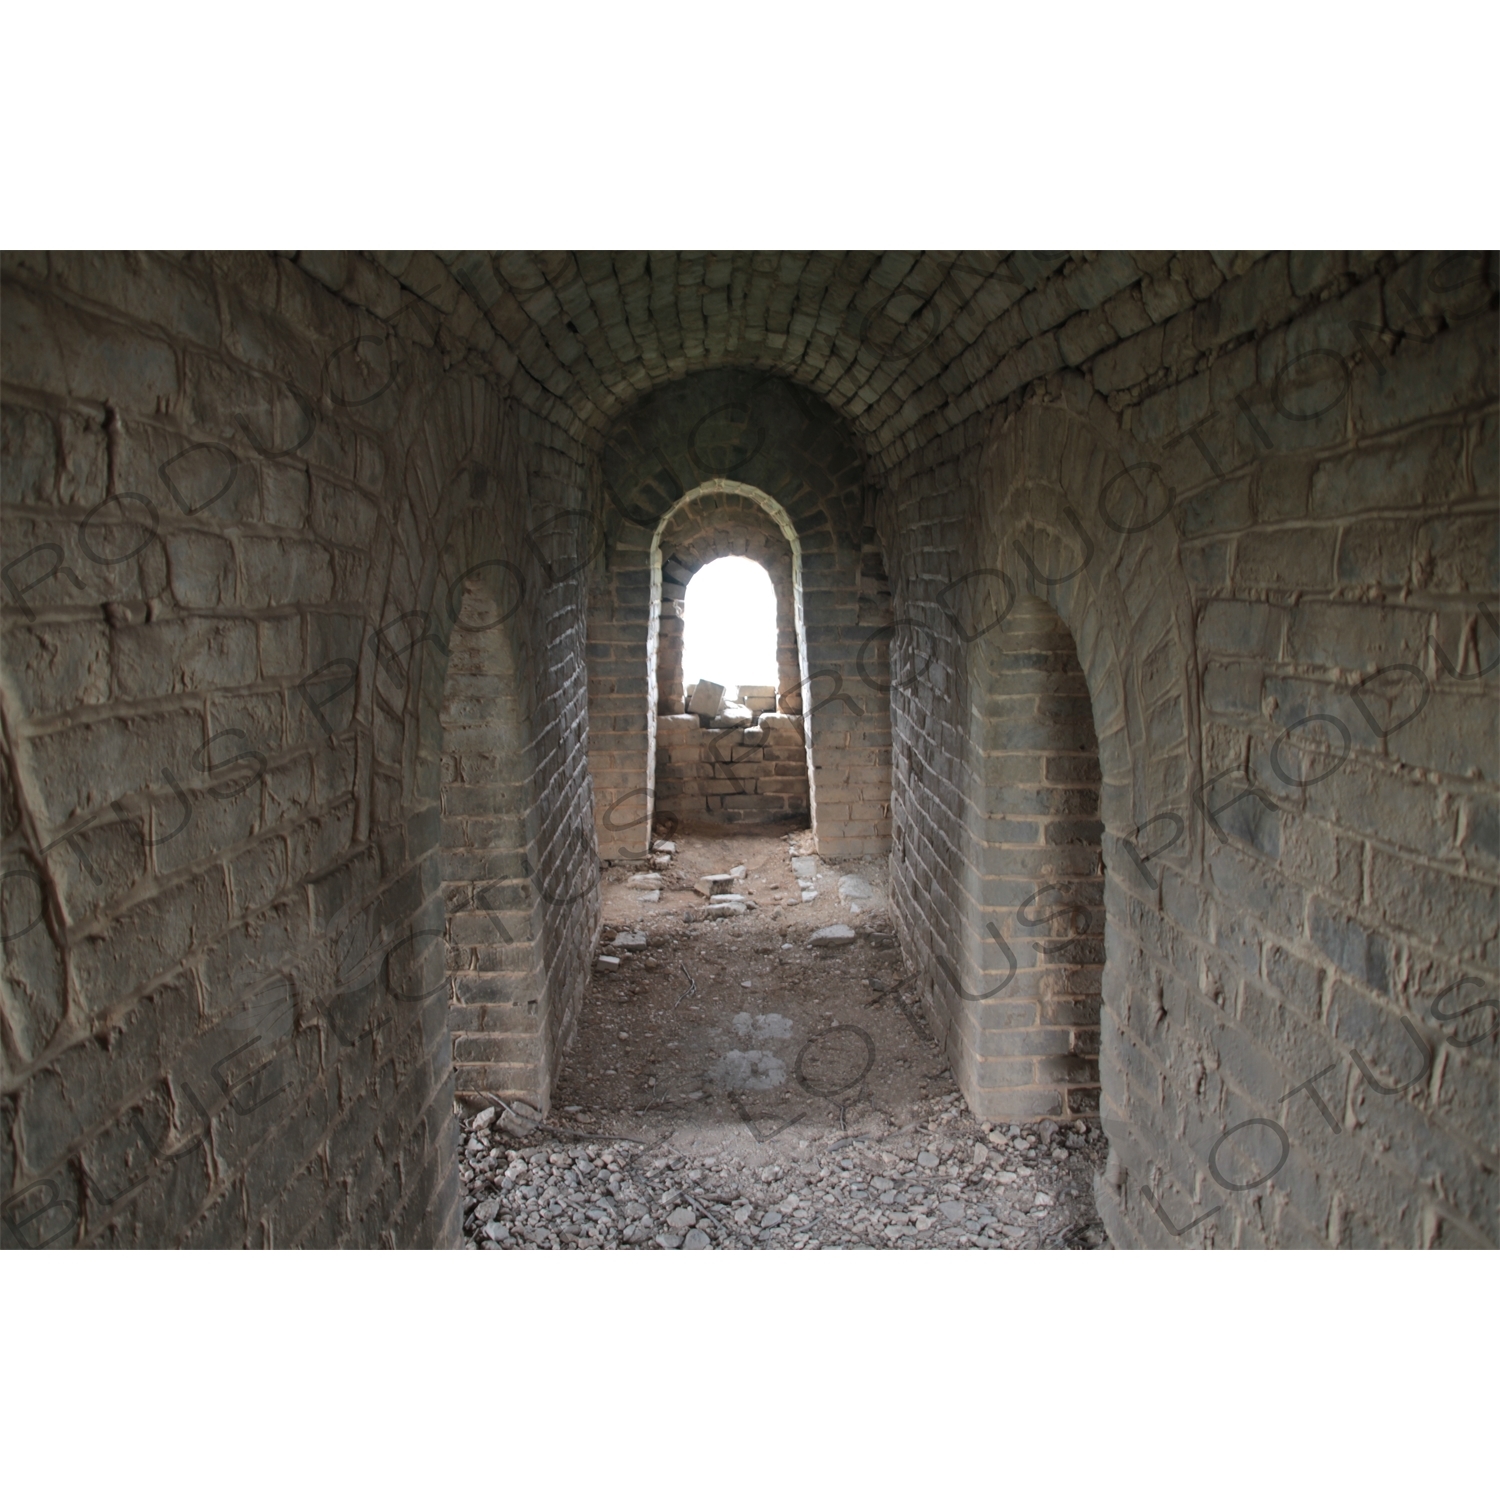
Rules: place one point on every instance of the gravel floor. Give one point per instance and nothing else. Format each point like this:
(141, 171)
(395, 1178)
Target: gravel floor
(944, 1182)
(734, 1084)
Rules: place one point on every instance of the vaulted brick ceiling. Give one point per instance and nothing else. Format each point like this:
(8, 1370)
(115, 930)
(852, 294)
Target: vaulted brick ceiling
(904, 344)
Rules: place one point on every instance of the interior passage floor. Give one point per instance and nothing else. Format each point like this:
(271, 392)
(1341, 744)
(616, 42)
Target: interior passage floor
(733, 1084)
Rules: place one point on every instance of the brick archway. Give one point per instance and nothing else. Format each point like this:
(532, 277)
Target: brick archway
(1103, 553)
(725, 776)
(1056, 548)
(725, 519)
(775, 438)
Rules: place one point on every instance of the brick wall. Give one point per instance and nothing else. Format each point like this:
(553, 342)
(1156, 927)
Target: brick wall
(1268, 521)
(240, 492)
(731, 777)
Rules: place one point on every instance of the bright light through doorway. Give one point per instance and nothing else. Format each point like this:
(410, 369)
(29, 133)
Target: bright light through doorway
(729, 625)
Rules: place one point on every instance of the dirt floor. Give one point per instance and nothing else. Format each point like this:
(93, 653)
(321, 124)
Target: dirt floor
(734, 1084)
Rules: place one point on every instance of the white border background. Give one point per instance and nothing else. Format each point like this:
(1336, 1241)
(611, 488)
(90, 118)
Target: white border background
(775, 124)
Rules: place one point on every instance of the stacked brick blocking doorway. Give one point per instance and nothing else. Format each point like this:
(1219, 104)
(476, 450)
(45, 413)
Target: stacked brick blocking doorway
(1148, 625)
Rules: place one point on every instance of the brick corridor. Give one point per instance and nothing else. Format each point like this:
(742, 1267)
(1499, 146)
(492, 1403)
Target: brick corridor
(339, 673)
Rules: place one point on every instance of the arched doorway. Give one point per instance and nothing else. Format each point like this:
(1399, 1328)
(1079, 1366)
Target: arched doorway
(723, 772)
(740, 432)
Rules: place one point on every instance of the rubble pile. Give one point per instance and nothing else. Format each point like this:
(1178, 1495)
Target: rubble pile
(944, 1182)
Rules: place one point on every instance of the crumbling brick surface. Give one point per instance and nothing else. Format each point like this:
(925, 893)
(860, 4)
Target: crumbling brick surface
(1295, 710)
(242, 510)
(731, 776)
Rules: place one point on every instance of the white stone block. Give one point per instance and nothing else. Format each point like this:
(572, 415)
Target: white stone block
(706, 697)
(837, 936)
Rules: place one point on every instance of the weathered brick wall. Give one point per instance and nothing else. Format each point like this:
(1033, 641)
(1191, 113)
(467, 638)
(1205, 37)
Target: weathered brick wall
(766, 435)
(731, 777)
(1267, 517)
(241, 497)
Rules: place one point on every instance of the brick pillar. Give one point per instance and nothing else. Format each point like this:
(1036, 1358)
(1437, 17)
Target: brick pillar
(622, 740)
(1031, 920)
(498, 991)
